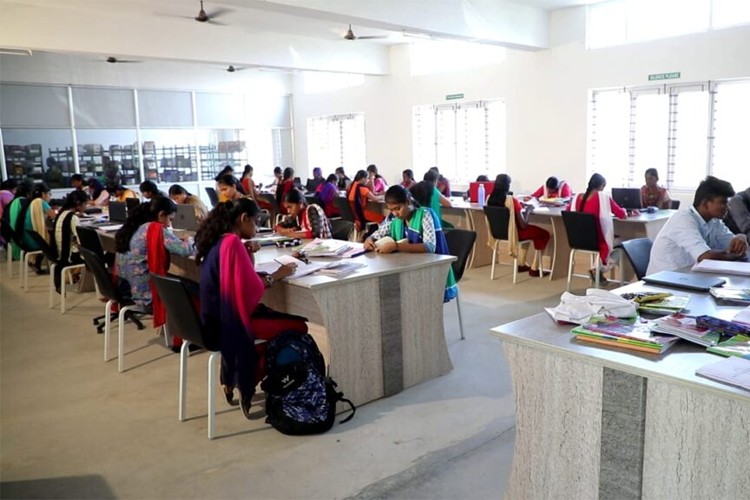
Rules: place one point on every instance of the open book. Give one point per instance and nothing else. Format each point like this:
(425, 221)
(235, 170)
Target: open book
(303, 268)
(732, 371)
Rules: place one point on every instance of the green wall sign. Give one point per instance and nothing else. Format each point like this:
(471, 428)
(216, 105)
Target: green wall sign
(453, 97)
(664, 76)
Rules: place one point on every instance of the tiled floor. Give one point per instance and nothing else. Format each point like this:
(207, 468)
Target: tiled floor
(72, 427)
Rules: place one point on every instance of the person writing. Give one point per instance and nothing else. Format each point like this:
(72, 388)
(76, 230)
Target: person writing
(553, 188)
(181, 196)
(303, 220)
(231, 290)
(412, 229)
(652, 194)
(524, 230)
(699, 233)
(358, 195)
(595, 201)
(143, 244)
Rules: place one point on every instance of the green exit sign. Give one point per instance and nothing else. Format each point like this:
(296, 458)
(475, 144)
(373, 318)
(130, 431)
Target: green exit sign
(664, 76)
(453, 97)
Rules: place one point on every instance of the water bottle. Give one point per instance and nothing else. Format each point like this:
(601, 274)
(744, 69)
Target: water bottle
(480, 195)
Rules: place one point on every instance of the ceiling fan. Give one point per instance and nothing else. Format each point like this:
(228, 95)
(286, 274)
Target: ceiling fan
(351, 36)
(114, 60)
(205, 17)
(232, 69)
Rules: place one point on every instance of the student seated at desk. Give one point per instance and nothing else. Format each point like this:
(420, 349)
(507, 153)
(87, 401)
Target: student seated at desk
(228, 188)
(231, 290)
(286, 185)
(181, 196)
(150, 190)
(66, 235)
(442, 183)
(652, 194)
(427, 195)
(375, 182)
(595, 201)
(343, 181)
(248, 184)
(317, 180)
(98, 193)
(144, 243)
(358, 195)
(523, 230)
(303, 220)
(553, 188)
(32, 215)
(407, 178)
(326, 193)
(120, 192)
(418, 226)
(692, 235)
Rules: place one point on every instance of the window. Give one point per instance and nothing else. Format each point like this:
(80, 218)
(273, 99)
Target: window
(336, 141)
(627, 21)
(463, 140)
(684, 131)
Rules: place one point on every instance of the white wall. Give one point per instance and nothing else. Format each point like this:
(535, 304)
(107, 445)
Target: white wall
(546, 95)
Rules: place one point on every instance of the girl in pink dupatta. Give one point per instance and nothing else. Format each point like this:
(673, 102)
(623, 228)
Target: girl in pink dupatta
(595, 201)
(230, 291)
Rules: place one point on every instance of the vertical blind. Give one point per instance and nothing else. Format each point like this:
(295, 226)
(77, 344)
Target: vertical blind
(685, 131)
(336, 141)
(463, 140)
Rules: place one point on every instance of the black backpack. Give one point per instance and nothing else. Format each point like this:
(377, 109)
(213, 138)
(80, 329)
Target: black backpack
(300, 398)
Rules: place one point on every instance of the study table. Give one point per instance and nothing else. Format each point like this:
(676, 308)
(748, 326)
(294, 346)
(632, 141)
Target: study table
(383, 323)
(597, 422)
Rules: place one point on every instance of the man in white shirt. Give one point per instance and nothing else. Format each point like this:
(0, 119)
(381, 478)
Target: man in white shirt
(698, 233)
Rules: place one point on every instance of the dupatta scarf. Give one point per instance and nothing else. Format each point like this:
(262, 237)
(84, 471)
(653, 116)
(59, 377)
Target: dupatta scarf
(158, 263)
(412, 231)
(606, 223)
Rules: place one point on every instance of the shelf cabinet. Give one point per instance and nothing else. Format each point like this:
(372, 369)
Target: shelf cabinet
(215, 157)
(169, 163)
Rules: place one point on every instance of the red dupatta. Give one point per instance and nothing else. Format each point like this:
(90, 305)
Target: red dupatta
(158, 263)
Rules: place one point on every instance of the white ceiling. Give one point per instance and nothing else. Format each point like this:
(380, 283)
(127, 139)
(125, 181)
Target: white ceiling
(288, 34)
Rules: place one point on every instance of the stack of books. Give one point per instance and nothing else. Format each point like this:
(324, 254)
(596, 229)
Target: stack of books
(739, 346)
(734, 295)
(658, 302)
(632, 334)
(686, 328)
(331, 248)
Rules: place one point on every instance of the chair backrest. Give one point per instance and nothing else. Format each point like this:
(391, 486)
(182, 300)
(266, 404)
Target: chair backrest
(312, 199)
(674, 204)
(581, 230)
(638, 252)
(104, 282)
(48, 251)
(460, 244)
(181, 313)
(10, 235)
(498, 219)
(212, 196)
(88, 238)
(342, 204)
(341, 229)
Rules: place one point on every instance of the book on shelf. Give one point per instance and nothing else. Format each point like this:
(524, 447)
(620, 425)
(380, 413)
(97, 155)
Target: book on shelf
(739, 346)
(723, 267)
(686, 328)
(736, 295)
(733, 371)
(627, 333)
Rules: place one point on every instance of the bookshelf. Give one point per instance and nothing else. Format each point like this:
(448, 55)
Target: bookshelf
(169, 163)
(24, 161)
(215, 157)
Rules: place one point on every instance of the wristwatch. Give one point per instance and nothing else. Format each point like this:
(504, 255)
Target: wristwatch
(269, 280)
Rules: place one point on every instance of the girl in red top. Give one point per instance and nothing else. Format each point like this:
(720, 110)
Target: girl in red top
(358, 195)
(286, 185)
(303, 221)
(595, 201)
(526, 231)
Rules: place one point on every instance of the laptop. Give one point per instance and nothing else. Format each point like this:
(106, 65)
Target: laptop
(185, 218)
(628, 198)
(700, 283)
(118, 212)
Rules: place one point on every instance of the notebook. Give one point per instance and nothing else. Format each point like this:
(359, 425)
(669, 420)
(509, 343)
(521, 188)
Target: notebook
(684, 280)
(185, 218)
(118, 211)
(629, 198)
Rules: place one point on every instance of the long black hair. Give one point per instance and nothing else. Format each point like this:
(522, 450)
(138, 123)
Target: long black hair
(499, 190)
(595, 182)
(374, 169)
(220, 221)
(98, 187)
(294, 196)
(149, 186)
(422, 193)
(177, 189)
(144, 212)
(74, 199)
(398, 194)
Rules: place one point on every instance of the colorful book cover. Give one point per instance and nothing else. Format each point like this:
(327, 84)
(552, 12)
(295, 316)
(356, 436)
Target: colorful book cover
(739, 346)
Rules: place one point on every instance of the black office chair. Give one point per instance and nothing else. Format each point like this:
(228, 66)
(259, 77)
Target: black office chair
(183, 318)
(498, 221)
(341, 229)
(59, 272)
(212, 196)
(460, 244)
(674, 204)
(114, 295)
(312, 199)
(638, 252)
(89, 238)
(581, 228)
(275, 215)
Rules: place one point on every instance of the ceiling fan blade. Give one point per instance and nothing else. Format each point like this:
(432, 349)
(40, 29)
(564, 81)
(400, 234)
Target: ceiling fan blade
(216, 23)
(218, 12)
(371, 37)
